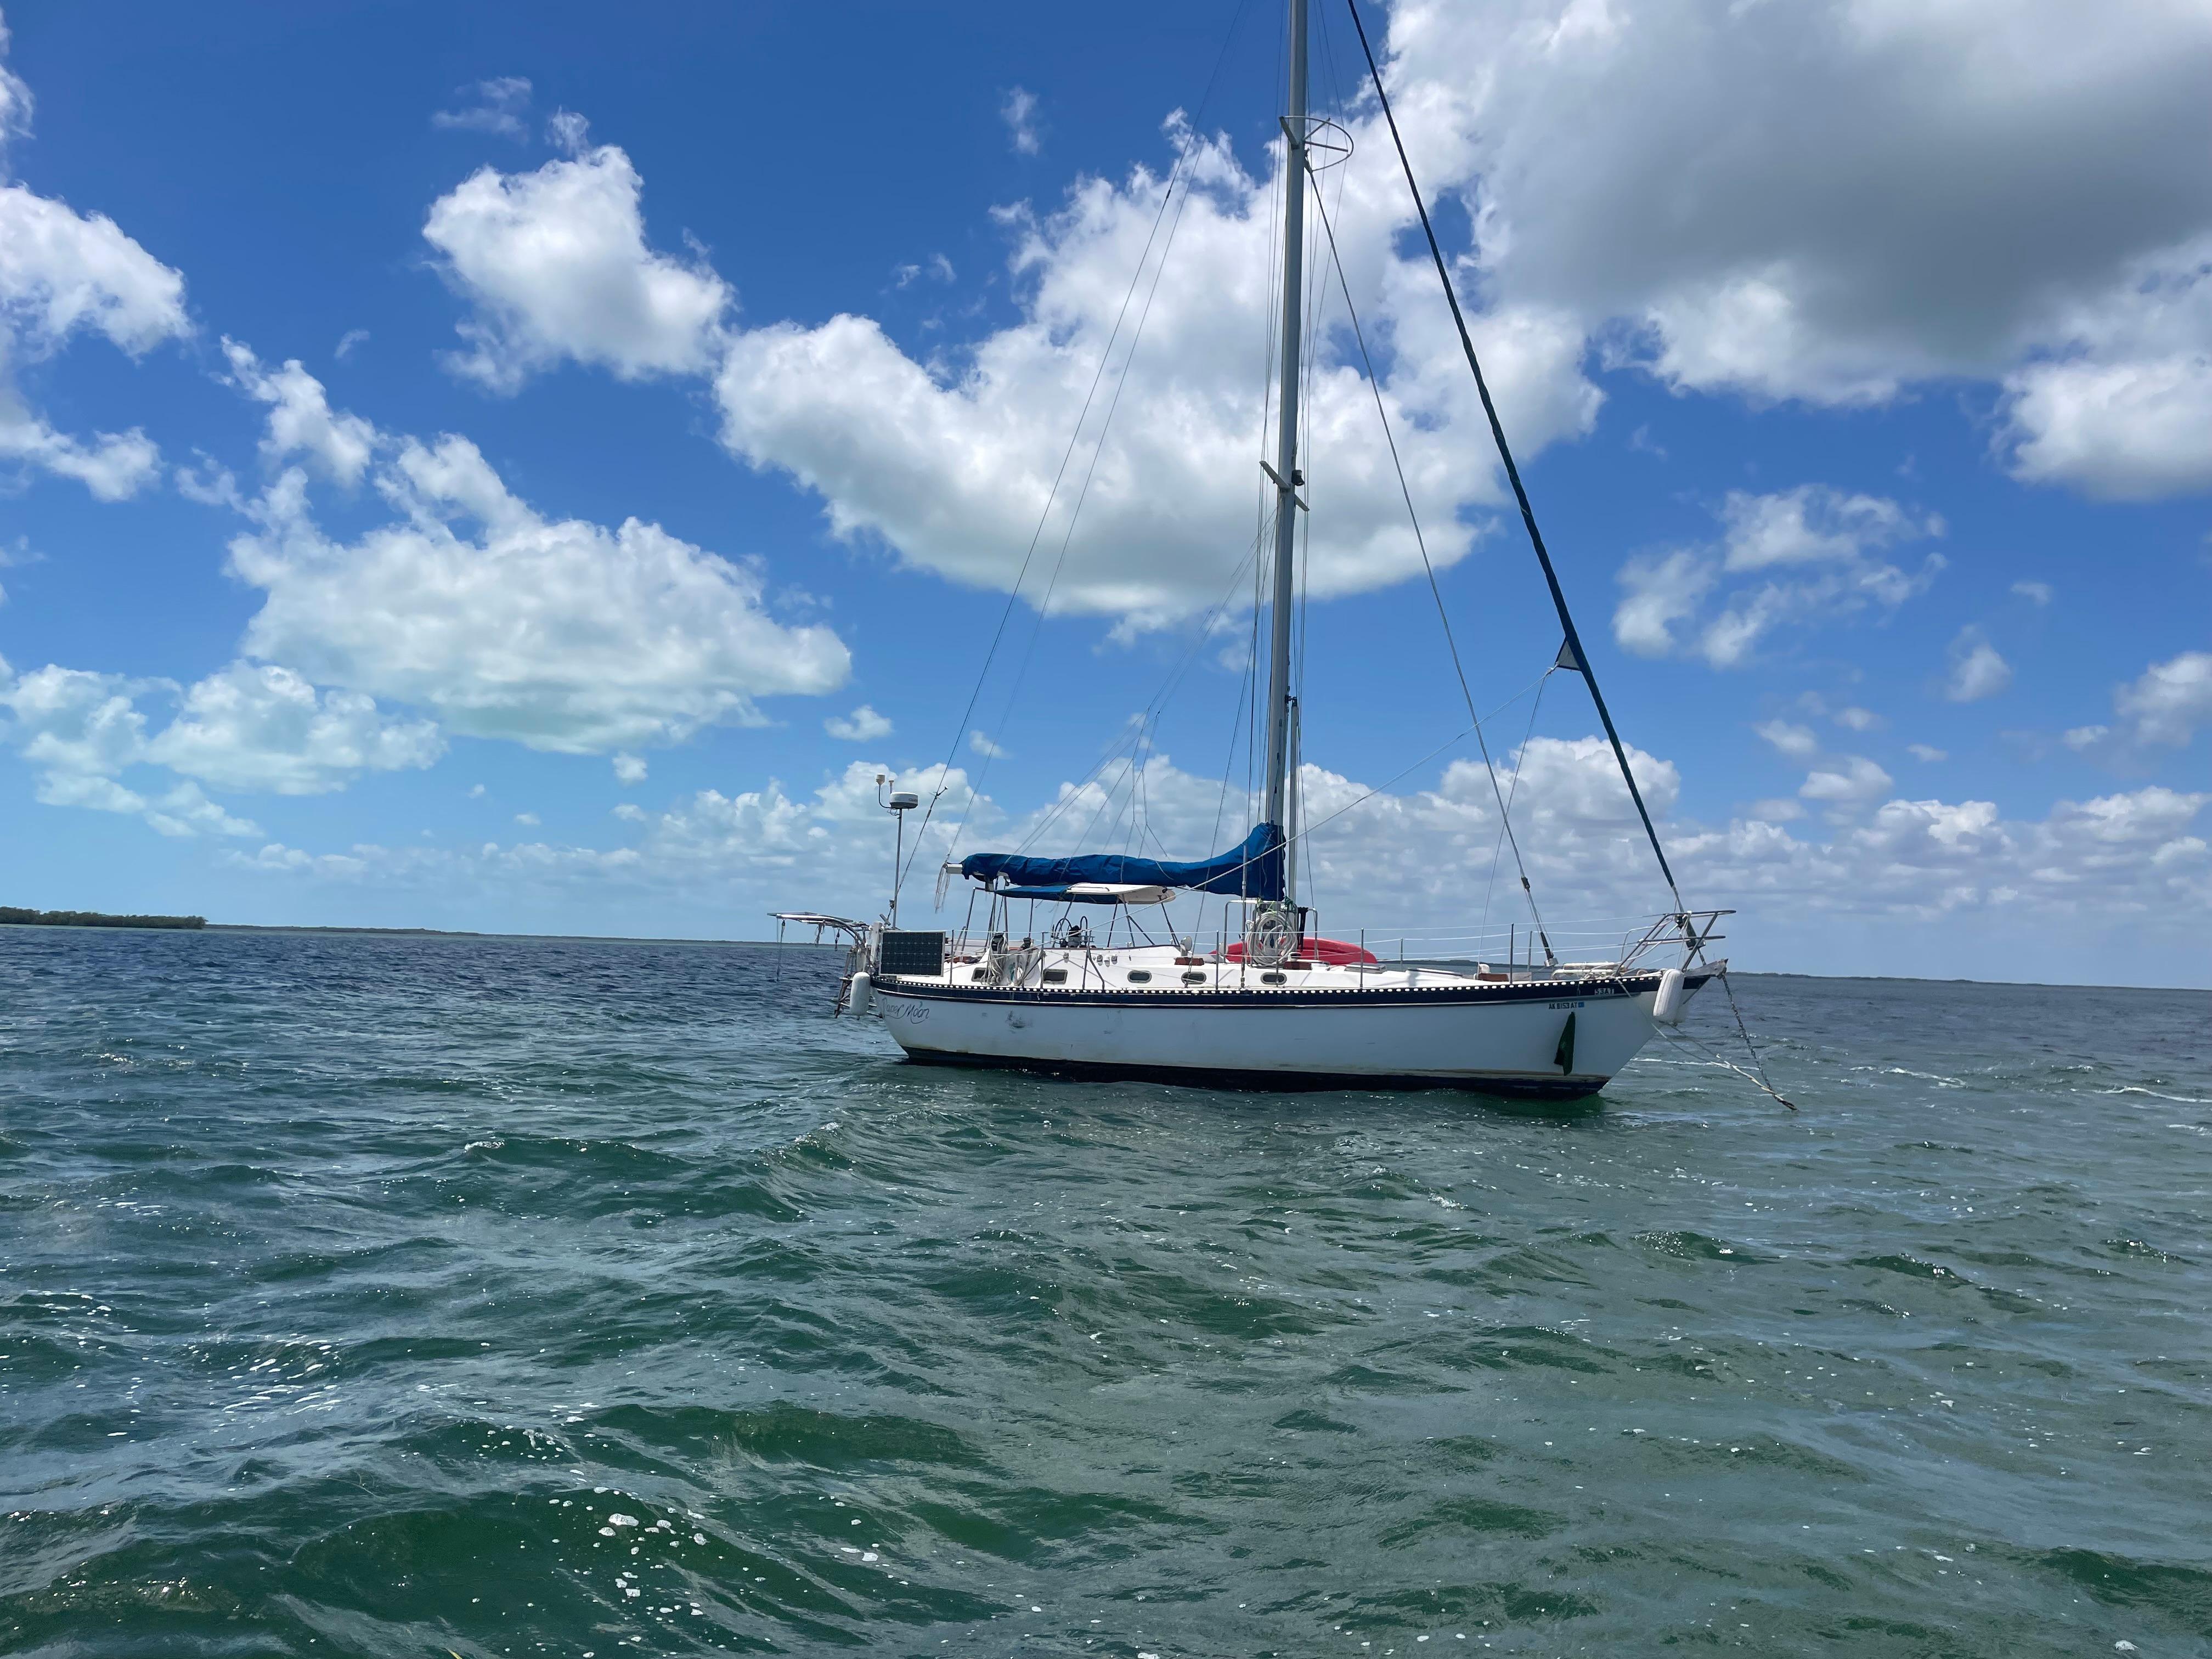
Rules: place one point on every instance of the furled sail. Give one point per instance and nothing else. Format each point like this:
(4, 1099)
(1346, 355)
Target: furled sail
(1092, 892)
(1253, 869)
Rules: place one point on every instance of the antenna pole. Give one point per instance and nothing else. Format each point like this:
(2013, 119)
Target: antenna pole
(1287, 478)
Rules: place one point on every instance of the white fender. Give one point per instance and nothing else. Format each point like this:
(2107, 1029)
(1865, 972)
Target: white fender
(1673, 997)
(863, 998)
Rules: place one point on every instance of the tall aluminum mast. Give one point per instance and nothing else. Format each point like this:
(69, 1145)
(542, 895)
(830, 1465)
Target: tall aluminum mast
(1285, 469)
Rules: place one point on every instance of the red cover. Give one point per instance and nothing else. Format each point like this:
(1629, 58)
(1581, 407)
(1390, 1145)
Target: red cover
(1334, 952)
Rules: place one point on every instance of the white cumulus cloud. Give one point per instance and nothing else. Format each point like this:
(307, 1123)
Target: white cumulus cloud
(112, 465)
(1897, 195)
(950, 464)
(1797, 742)
(1423, 858)
(301, 421)
(247, 727)
(1849, 781)
(863, 724)
(954, 469)
(556, 266)
(257, 727)
(71, 722)
(2118, 407)
(497, 105)
(2170, 700)
(1832, 201)
(558, 634)
(63, 273)
(1801, 557)
(1018, 109)
(1977, 669)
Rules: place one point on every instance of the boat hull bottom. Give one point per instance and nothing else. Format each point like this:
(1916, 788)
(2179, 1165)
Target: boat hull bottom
(1510, 1085)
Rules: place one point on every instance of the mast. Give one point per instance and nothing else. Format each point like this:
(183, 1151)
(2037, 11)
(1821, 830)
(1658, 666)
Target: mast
(1284, 472)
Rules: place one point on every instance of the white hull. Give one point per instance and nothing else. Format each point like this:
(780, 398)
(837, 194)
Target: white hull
(1329, 1028)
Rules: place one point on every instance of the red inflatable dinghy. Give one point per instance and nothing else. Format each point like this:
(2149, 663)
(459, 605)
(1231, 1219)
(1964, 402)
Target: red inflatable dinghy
(1334, 952)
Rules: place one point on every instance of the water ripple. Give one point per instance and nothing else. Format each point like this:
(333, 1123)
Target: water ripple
(496, 1297)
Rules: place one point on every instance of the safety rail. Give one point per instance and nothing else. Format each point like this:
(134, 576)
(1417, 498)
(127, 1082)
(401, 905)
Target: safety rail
(1581, 948)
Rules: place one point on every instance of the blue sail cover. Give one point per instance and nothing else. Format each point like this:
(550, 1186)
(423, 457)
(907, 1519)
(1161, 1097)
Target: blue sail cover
(1251, 869)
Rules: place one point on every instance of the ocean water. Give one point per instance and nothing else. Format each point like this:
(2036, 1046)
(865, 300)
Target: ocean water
(492, 1296)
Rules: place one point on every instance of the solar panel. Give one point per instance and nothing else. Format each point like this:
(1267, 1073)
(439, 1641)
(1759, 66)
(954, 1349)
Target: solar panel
(911, 951)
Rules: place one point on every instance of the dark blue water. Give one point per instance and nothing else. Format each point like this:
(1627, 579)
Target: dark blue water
(489, 1297)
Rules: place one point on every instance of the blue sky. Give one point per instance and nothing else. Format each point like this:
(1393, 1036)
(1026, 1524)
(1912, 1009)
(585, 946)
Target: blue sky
(532, 469)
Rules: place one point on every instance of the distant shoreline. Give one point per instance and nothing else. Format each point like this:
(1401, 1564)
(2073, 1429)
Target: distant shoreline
(197, 924)
(315, 927)
(13, 915)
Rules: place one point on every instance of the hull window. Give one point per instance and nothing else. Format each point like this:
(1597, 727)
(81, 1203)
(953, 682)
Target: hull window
(1140, 976)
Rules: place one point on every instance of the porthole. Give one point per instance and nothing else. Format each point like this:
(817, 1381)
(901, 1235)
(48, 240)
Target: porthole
(1194, 979)
(1275, 979)
(1140, 976)
(1054, 976)
(981, 974)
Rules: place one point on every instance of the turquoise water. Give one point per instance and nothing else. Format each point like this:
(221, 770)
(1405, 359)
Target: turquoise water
(491, 1297)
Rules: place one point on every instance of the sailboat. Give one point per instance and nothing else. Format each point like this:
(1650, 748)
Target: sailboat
(1265, 1002)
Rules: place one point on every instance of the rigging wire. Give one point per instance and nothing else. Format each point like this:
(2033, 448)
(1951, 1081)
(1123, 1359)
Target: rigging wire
(1497, 848)
(1097, 452)
(1137, 823)
(1305, 830)
(1435, 593)
(1228, 760)
(1166, 688)
(1535, 536)
(1105, 355)
(1513, 472)
(1099, 448)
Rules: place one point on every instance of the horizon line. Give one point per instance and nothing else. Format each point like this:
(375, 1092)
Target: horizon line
(641, 939)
